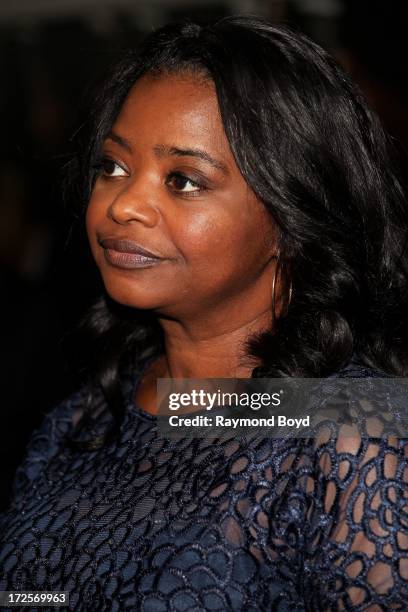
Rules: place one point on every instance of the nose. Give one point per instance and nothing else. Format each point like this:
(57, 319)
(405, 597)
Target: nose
(134, 203)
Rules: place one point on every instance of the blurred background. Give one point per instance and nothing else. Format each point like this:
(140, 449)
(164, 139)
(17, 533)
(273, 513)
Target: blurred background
(51, 53)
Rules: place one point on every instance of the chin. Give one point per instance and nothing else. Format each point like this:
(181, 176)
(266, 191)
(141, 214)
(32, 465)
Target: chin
(129, 294)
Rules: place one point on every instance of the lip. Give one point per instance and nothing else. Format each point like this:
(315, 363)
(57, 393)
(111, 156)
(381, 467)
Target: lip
(124, 253)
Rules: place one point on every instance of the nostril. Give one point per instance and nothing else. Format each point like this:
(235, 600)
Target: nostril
(124, 211)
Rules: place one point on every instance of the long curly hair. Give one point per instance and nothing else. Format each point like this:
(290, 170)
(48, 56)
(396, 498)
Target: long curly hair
(310, 148)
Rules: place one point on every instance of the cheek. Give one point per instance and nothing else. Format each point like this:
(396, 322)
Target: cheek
(93, 216)
(203, 238)
(231, 240)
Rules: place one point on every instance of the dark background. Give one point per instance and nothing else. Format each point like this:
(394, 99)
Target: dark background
(51, 53)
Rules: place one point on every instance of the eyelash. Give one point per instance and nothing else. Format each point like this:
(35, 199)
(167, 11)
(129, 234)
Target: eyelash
(180, 175)
(99, 167)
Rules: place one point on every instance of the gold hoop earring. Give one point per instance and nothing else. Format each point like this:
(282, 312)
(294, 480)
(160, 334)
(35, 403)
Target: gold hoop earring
(274, 288)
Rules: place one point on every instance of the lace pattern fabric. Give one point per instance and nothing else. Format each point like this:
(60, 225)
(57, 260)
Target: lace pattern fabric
(147, 523)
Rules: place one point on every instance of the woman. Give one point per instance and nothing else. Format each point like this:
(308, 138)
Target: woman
(246, 221)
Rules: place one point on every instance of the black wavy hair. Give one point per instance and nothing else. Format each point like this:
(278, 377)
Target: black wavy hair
(310, 148)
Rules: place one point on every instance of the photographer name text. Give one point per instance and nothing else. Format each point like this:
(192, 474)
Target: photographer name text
(221, 421)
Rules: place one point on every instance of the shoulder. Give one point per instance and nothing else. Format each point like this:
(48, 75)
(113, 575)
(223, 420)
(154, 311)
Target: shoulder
(54, 431)
(358, 368)
(85, 413)
(355, 490)
(360, 484)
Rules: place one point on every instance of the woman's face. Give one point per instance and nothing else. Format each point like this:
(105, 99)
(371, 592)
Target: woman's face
(169, 184)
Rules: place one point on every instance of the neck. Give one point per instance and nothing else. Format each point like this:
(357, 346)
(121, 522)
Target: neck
(193, 351)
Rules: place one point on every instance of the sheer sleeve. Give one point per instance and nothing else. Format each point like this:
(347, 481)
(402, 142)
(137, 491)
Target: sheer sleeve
(46, 441)
(357, 545)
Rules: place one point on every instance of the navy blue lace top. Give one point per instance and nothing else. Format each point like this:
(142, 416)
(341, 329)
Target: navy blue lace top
(147, 523)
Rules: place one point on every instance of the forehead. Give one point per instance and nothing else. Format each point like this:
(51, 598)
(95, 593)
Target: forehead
(180, 108)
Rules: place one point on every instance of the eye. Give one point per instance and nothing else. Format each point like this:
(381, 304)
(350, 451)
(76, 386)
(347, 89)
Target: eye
(183, 184)
(110, 169)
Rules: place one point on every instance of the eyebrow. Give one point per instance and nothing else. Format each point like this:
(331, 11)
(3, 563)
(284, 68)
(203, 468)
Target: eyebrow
(122, 142)
(166, 150)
